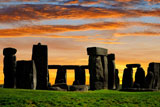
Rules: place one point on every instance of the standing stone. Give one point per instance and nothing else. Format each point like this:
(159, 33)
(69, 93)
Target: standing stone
(127, 81)
(155, 68)
(80, 78)
(40, 57)
(9, 67)
(116, 79)
(111, 71)
(98, 68)
(149, 79)
(61, 76)
(26, 75)
(139, 78)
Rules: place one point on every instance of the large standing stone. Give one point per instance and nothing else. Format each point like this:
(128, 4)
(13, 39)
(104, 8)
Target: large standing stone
(139, 78)
(61, 76)
(149, 79)
(26, 75)
(111, 71)
(9, 67)
(80, 78)
(127, 81)
(155, 69)
(116, 79)
(40, 57)
(98, 68)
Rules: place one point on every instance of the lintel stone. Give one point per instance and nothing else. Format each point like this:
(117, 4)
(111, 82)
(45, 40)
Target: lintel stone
(97, 51)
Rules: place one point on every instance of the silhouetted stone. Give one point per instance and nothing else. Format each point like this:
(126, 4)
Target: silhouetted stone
(111, 71)
(9, 67)
(149, 80)
(139, 78)
(155, 69)
(61, 76)
(133, 65)
(60, 87)
(78, 88)
(80, 78)
(127, 81)
(40, 57)
(26, 75)
(98, 68)
(116, 79)
(96, 51)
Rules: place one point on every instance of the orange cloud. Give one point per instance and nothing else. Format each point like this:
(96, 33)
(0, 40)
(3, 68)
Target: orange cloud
(137, 34)
(39, 12)
(38, 30)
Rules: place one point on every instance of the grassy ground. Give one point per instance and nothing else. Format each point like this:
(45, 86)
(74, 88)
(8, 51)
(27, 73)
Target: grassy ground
(101, 98)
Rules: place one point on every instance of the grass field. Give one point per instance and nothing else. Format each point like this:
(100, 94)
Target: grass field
(101, 98)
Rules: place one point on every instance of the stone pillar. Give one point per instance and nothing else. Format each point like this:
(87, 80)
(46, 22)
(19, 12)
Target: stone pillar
(40, 57)
(9, 69)
(116, 79)
(80, 78)
(61, 76)
(127, 81)
(155, 69)
(26, 75)
(149, 79)
(111, 71)
(139, 78)
(98, 68)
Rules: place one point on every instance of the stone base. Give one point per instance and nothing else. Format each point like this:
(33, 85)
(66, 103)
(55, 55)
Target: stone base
(137, 89)
(59, 87)
(78, 88)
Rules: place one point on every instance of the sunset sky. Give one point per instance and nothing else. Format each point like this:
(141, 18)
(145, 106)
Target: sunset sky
(128, 28)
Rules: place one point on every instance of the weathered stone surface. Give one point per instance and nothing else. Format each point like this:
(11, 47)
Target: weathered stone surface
(61, 76)
(60, 86)
(96, 73)
(116, 79)
(105, 70)
(26, 75)
(149, 80)
(133, 65)
(127, 81)
(97, 51)
(80, 78)
(9, 51)
(78, 88)
(155, 69)
(111, 71)
(40, 57)
(9, 69)
(139, 78)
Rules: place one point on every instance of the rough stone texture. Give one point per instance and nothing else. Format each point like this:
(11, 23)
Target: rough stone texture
(61, 76)
(105, 71)
(133, 65)
(155, 69)
(149, 80)
(80, 78)
(40, 57)
(139, 78)
(98, 68)
(78, 88)
(26, 75)
(60, 87)
(9, 67)
(111, 71)
(116, 79)
(96, 73)
(96, 51)
(127, 81)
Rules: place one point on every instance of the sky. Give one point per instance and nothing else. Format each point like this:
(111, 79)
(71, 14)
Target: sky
(128, 28)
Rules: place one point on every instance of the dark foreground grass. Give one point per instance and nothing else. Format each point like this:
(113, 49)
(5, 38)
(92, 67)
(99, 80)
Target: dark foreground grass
(42, 98)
